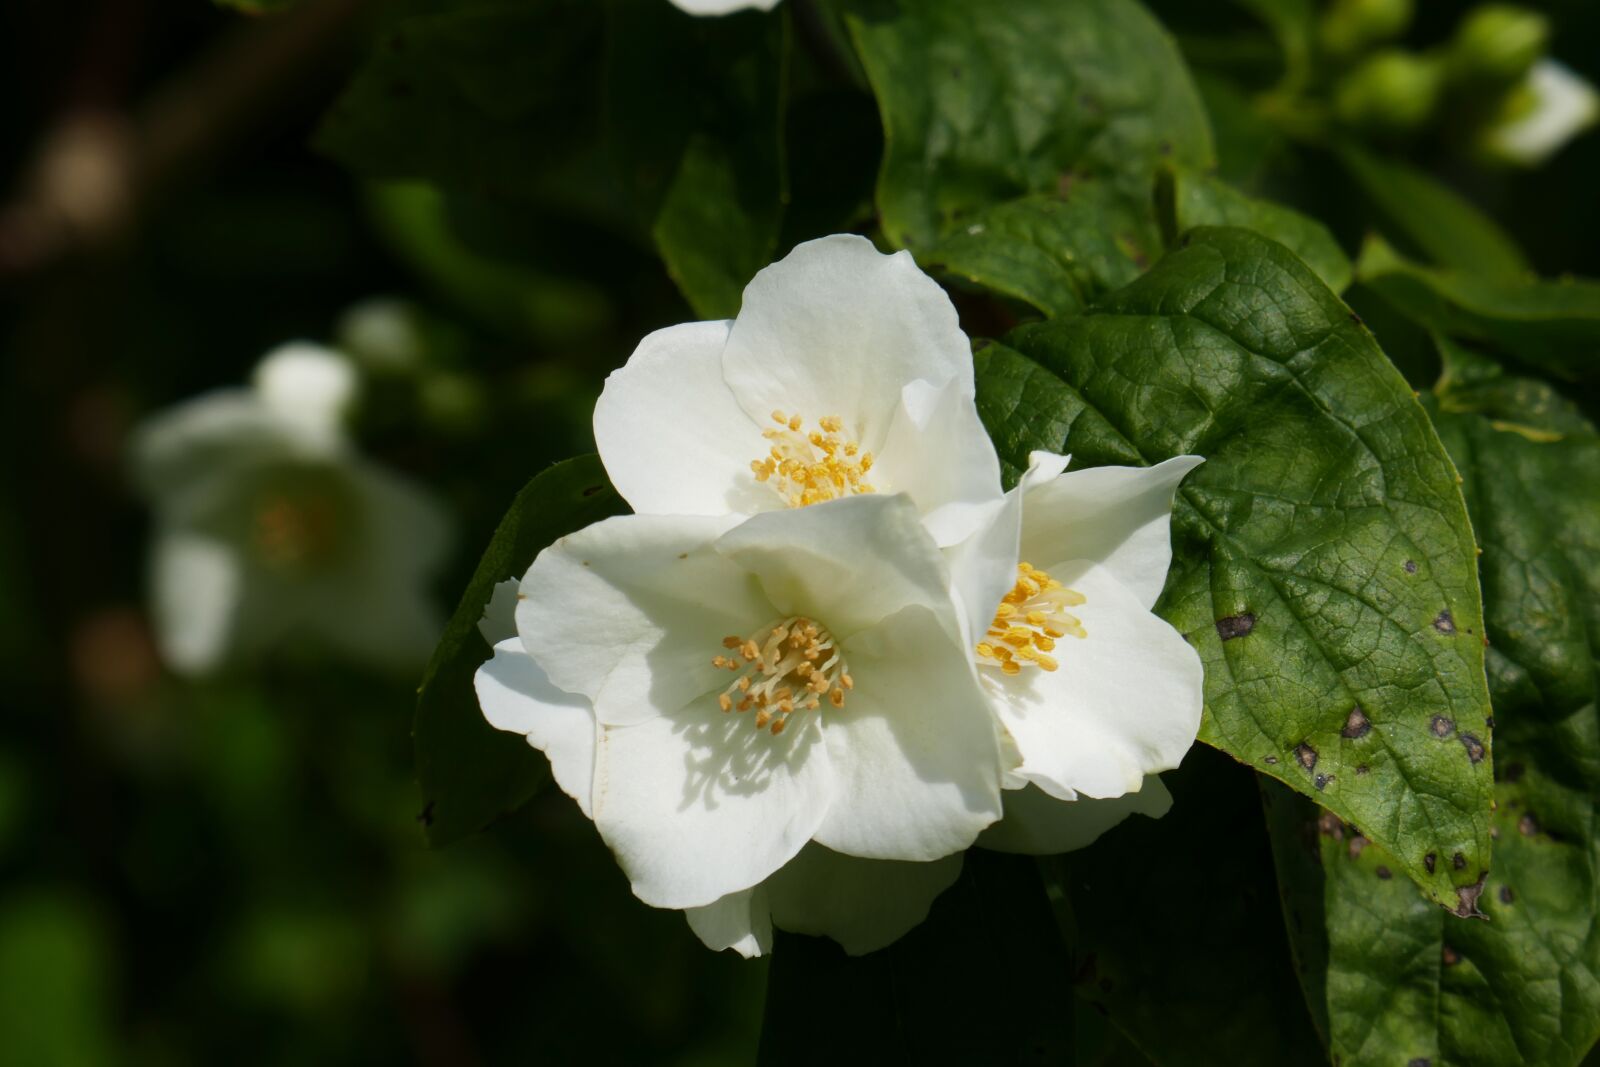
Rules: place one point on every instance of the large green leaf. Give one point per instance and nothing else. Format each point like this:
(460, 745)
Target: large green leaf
(694, 116)
(1055, 251)
(1433, 218)
(1554, 326)
(985, 979)
(1402, 981)
(1323, 559)
(1187, 199)
(472, 774)
(1197, 973)
(979, 110)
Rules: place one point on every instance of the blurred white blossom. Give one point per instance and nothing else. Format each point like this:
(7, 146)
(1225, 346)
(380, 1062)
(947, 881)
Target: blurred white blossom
(723, 7)
(268, 525)
(1551, 107)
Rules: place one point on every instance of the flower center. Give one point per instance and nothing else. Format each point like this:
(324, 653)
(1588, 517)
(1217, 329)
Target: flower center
(1029, 621)
(783, 667)
(810, 467)
(293, 533)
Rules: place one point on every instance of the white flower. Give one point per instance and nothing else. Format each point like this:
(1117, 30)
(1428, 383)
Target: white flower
(845, 373)
(268, 525)
(723, 7)
(1095, 692)
(719, 695)
(1551, 107)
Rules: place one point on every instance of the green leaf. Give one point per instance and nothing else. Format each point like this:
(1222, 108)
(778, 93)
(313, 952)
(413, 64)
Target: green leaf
(1293, 25)
(1187, 199)
(985, 979)
(1323, 559)
(1553, 326)
(980, 110)
(1177, 929)
(1056, 252)
(695, 125)
(472, 774)
(1401, 980)
(1433, 218)
(484, 98)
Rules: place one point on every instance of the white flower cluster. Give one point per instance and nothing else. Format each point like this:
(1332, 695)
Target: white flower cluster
(828, 652)
(269, 525)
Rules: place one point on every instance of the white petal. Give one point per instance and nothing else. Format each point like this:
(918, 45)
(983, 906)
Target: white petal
(1119, 517)
(699, 804)
(515, 695)
(1124, 703)
(197, 589)
(307, 385)
(847, 564)
(499, 619)
(1038, 824)
(983, 567)
(723, 7)
(864, 905)
(1559, 106)
(938, 452)
(740, 921)
(673, 439)
(914, 749)
(202, 439)
(630, 611)
(838, 328)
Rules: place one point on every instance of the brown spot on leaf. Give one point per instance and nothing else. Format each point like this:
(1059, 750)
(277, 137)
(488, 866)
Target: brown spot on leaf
(1269, 760)
(1506, 895)
(1474, 747)
(1441, 726)
(1430, 861)
(591, 490)
(1236, 626)
(1357, 725)
(1411, 566)
(1445, 623)
(1357, 845)
(1384, 873)
(1306, 755)
(1330, 825)
(1362, 768)
(1321, 781)
(1527, 826)
(1467, 899)
(1450, 956)
(1458, 861)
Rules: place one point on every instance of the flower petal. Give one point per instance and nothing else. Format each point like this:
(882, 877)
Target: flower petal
(939, 454)
(741, 921)
(848, 563)
(308, 386)
(1124, 703)
(499, 619)
(838, 328)
(1037, 824)
(673, 439)
(197, 592)
(700, 803)
(915, 750)
(1118, 517)
(515, 695)
(864, 905)
(630, 611)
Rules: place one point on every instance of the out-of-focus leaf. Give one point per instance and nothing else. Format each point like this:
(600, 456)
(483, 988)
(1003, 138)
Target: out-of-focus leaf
(694, 115)
(1196, 972)
(1246, 141)
(1433, 218)
(985, 979)
(1293, 24)
(1553, 326)
(471, 773)
(1324, 565)
(55, 967)
(978, 109)
(1403, 981)
(1187, 199)
(1057, 252)
(258, 7)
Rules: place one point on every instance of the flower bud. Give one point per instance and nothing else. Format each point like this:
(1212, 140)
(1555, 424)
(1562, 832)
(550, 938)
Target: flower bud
(1350, 25)
(1498, 43)
(1394, 91)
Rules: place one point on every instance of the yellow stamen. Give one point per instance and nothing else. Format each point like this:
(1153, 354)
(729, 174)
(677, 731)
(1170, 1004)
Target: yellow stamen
(1029, 621)
(788, 666)
(809, 468)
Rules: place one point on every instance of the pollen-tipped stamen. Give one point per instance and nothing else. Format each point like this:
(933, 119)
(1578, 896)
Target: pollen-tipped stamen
(788, 666)
(1029, 621)
(809, 468)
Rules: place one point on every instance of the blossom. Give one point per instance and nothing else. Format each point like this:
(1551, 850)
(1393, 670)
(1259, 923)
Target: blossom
(845, 373)
(1095, 692)
(268, 524)
(1551, 107)
(752, 709)
(723, 7)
